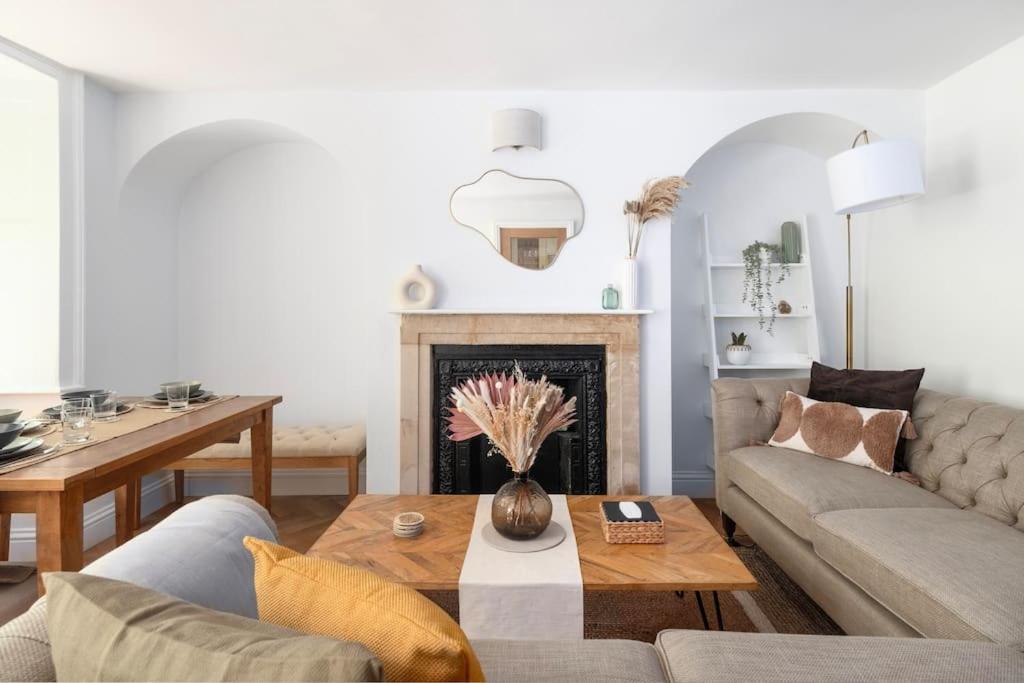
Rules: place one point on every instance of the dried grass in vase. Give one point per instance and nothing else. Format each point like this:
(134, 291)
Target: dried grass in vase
(658, 199)
(516, 414)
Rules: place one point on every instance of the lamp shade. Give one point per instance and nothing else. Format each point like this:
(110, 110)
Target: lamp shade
(515, 128)
(874, 176)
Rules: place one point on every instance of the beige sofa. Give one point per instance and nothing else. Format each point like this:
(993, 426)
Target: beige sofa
(880, 555)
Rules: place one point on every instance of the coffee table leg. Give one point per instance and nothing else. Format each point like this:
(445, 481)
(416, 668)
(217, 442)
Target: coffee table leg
(718, 611)
(703, 613)
(700, 606)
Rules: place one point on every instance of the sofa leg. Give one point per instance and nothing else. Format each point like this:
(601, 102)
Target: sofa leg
(729, 526)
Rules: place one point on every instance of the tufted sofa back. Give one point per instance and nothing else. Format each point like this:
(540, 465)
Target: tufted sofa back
(970, 453)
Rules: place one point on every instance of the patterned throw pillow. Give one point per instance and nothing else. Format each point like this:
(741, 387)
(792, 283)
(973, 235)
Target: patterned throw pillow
(859, 436)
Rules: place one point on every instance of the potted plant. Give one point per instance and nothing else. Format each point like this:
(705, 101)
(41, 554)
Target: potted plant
(759, 282)
(516, 415)
(738, 353)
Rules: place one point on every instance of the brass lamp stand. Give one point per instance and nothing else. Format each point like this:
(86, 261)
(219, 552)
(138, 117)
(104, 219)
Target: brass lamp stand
(849, 272)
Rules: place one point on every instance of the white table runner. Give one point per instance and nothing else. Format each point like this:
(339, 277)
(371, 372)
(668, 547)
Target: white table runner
(521, 596)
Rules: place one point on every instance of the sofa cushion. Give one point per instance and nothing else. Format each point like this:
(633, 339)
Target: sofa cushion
(970, 453)
(595, 661)
(839, 431)
(795, 486)
(25, 647)
(105, 630)
(717, 656)
(947, 573)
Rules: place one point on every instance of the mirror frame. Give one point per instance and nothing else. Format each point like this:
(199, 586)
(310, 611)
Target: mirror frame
(583, 215)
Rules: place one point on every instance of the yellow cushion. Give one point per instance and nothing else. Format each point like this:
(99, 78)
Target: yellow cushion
(413, 638)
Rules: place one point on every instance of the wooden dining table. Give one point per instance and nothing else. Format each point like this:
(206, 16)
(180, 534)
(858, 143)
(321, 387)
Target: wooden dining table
(56, 490)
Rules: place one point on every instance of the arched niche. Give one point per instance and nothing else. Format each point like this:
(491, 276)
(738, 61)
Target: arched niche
(233, 260)
(747, 184)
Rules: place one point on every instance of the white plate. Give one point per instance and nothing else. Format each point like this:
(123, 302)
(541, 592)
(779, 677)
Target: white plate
(25, 449)
(15, 445)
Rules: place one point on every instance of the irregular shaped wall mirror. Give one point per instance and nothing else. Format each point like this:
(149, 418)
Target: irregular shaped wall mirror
(527, 220)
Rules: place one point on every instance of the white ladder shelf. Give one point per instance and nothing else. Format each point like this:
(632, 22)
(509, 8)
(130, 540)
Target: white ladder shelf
(795, 343)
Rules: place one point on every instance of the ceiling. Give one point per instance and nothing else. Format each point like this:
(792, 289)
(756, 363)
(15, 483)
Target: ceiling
(145, 45)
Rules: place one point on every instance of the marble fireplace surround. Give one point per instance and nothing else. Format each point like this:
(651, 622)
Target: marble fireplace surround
(617, 331)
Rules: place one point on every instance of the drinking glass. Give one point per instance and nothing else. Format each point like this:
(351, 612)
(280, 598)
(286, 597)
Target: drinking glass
(76, 420)
(104, 405)
(177, 395)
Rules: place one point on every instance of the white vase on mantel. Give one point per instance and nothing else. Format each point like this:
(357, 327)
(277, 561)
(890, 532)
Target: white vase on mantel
(630, 284)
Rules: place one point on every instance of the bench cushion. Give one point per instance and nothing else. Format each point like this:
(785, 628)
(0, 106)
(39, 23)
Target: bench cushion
(948, 573)
(710, 656)
(796, 486)
(298, 442)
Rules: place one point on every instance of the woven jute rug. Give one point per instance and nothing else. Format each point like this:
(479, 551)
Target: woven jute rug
(778, 606)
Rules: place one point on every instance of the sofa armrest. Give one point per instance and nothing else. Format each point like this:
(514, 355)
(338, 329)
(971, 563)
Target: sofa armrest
(744, 411)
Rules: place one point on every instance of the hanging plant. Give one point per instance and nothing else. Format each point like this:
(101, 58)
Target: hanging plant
(759, 282)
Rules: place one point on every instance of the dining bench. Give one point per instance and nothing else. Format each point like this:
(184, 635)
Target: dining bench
(294, 448)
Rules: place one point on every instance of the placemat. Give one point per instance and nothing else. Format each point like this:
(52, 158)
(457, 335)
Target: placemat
(129, 422)
(521, 596)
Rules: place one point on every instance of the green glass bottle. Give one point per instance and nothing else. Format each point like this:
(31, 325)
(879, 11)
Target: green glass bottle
(610, 298)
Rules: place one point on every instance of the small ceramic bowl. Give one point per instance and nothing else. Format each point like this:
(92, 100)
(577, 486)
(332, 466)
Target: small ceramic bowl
(9, 432)
(193, 386)
(9, 414)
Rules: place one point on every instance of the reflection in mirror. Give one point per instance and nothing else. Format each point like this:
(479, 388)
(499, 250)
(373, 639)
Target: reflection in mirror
(527, 220)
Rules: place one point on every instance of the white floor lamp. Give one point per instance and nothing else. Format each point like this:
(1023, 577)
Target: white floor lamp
(866, 178)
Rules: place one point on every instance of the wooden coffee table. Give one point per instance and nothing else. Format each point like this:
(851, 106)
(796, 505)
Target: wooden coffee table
(694, 556)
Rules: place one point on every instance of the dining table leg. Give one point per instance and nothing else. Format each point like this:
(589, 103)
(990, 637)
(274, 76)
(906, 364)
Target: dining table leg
(126, 510)
(58, 531)
(5, 536)
(262, 452)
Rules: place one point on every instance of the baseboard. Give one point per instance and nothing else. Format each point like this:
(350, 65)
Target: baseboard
(694, 483)
(98, 524)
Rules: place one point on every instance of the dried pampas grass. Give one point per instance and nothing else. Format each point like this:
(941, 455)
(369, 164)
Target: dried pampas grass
(658, 199)
(514, 413)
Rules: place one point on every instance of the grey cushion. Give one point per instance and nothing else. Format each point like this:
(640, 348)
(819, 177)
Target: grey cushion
(570, 660)
(795, 486)
(714, 656)
(947, 573)
(196, 554)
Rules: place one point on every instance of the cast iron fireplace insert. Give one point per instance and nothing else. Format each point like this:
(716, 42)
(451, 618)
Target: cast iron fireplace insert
(569, 462)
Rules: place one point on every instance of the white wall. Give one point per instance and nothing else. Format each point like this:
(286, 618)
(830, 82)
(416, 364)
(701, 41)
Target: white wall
(29, 229)
(747, 190)
(269, 299)
(945, 270)
(401, 155)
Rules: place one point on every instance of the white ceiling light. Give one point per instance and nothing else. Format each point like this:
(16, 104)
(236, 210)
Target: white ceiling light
(516, 128)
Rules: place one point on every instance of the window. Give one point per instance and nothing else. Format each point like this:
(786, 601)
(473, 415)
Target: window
(29, 229)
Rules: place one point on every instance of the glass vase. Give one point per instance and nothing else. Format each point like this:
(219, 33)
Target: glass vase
(521, 509)
(610, 298)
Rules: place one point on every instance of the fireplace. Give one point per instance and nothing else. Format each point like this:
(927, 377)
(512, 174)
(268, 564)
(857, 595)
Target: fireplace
(617, 333)
(572, 461)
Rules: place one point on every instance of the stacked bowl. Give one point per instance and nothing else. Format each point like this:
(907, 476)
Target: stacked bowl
(408, 525)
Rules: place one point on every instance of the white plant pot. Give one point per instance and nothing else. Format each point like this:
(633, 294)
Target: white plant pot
(737, 355)
(630, 284)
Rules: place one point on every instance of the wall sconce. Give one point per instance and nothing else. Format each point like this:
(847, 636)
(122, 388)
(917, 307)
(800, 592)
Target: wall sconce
(515, 128)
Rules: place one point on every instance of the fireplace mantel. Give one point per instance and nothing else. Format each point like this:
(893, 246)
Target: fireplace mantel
(617, 331)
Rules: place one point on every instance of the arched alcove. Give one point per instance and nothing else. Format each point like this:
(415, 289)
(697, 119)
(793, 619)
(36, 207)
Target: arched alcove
(224, 236)
(745, 186)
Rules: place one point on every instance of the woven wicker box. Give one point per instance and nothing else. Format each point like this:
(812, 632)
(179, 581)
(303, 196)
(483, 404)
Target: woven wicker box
(632, 532)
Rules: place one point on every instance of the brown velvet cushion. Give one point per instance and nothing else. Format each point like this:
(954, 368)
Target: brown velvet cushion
(886, 389)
